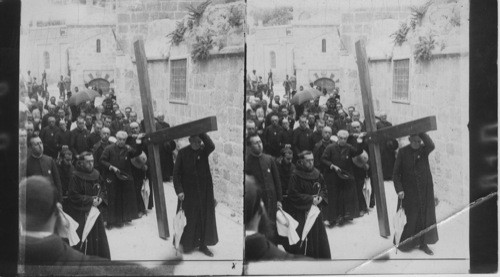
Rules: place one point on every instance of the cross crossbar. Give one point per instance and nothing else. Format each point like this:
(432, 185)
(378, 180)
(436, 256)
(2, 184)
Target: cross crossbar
(412, 127)
(196, 127)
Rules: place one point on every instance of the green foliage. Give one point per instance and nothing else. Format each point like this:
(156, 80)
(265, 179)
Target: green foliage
(201, 48)
(424, 48)
(236, 17)
(400, 35)
(417, 13)
(177, 36)
(195, 13)
(277, 16)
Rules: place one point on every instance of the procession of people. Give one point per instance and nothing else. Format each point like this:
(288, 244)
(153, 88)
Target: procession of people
(307, 154)
(95, 158)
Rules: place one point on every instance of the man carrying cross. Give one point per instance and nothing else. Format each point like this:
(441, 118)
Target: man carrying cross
(195, 190)
(413, 183)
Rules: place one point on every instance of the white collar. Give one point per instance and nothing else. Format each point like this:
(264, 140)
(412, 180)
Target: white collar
(249, 233)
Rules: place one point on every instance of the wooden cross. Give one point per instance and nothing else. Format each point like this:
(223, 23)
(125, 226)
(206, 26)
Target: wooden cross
(375, 137)
(154, 137)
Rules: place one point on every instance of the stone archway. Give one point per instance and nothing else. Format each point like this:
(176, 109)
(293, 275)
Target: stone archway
(100, 84)
(327, 83)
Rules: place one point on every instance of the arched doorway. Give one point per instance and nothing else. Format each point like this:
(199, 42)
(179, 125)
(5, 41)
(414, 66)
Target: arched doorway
(327, 83)
(100, 84)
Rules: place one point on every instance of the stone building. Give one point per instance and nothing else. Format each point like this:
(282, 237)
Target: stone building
(75, 40)
(313, 45)
(403, 86)
(185, 89)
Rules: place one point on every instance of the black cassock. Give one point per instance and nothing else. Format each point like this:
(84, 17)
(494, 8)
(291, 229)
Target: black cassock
(303, 186)
(387, 152)
(192, 177)
(82, 188)
(122, 201)
(342, 194)
(265, 171)
(166, 154)
(412, 175)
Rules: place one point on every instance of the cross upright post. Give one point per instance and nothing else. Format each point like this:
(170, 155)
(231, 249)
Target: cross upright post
(154, 137)
(153, 149)
(379, 136)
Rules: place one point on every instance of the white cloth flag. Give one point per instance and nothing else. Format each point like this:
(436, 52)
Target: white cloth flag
(89, 223)
(311, 218)
(145, 192)
(287, 226)
(367, 191)
(179, 224)
(69, 228)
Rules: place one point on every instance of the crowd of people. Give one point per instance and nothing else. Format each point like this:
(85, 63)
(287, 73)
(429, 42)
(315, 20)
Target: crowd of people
(93, 154)
(314, 154)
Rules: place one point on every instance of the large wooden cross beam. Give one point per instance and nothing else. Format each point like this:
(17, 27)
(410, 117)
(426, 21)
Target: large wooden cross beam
(375, 137)
(154, 137)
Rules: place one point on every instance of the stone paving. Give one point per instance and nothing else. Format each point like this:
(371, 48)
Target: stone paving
(138, 241)
(357, 248)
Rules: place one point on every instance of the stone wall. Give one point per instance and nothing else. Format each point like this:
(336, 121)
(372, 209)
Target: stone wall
(84, 59)
(215, 87)
(80, 41)
(133, 18)
(438, 88)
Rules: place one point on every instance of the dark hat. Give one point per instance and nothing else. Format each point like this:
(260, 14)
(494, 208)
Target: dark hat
(122, 175)
(37, 200)
(344, 175)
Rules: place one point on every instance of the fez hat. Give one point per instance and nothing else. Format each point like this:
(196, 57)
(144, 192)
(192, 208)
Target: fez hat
(361, 159)
(122, 175)
(140, 160)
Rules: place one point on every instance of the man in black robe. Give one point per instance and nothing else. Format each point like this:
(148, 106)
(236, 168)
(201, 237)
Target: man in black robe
(273, 138)
(264, 169)
(317, 135)
(414, 185)
(166, 151)
(79, 137)
(387, 149)
(49, 137)
(95, 136)
(139, 167)
(86, 190)
(115, 159)
(66, 168)
(320, 147)
(342, 197)
(360, 167)
(38, 163)
(257, 246)
(302, 137)
(195, 190)
(307, 188)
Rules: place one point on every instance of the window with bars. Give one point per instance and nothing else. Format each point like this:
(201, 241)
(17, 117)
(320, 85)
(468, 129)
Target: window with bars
(178, 80)
(273, 59)
(46, 60)
(401, 76)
